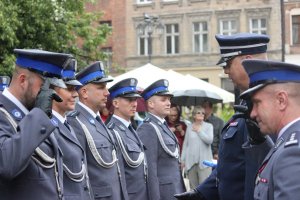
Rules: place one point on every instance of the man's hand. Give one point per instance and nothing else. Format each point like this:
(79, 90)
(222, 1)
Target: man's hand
(191, 195)
(45, 97)
(255, 136)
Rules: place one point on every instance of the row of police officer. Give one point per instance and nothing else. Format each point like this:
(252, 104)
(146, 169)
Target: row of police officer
(46, 153)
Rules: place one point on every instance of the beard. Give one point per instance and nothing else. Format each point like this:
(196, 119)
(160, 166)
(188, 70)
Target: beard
(29, 97)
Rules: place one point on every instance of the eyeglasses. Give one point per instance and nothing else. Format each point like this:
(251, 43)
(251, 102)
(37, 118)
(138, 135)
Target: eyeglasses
(228, 62)
(202, 113)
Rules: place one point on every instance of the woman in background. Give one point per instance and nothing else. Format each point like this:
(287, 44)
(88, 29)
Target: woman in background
(177, 127)
(197, 148)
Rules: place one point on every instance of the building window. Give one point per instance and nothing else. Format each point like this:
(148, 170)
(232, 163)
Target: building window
(108, 22)
(144, 1)
(228, 27)
(200, 32)
(258, 26)
(143, 44)
(296, 29)
(108, 60)
(172, 38)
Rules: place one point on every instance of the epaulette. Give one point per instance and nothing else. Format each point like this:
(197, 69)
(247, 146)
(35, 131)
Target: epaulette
(110, 125)
(73, 113)
(147, 119)
(292, 139)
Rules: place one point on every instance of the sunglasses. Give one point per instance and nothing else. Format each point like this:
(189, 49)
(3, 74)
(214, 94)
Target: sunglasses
(202, 113)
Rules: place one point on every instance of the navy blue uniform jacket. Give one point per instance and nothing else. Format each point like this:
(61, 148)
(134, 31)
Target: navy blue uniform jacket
(234, 176)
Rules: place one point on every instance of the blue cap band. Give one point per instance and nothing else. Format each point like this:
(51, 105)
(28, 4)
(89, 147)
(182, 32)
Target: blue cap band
(38, 65)
(278, 75)
(68, 74)
(91, 76)
(122, 91)
(154, 91)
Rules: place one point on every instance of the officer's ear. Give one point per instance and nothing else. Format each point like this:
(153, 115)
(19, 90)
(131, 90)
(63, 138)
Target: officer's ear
(115, 103)
(83, 92)
(282, 99)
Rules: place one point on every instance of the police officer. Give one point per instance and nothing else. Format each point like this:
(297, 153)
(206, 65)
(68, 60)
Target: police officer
(75, 179)
(4, 82)
(106, 178)
(124, 96)
(162, 148)
(30, 161)
(274, 91)
(242, 147)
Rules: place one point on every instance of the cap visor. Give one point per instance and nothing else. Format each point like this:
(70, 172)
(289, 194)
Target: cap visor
(221, 61)
(73, 82)
(166, 93)
(248, 93)
(131, 95)
(103, 80)
(57, 82)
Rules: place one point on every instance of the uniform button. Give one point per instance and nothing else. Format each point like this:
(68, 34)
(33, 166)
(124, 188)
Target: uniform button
(86, 188)
(43, 130)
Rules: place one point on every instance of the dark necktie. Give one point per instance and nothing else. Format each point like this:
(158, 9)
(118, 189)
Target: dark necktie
(67, 125)
(99, 119)
(131, 128)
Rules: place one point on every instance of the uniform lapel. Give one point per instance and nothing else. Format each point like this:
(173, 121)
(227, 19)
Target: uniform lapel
(126, 132)
(163, 127)
(11, 108)
(67, 134)
(101, 128)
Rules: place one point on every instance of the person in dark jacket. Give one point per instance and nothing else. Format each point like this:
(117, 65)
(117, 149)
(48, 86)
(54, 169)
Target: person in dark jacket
(242, 147)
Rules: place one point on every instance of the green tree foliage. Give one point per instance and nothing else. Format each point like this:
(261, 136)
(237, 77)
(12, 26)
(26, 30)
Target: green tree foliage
(53, 25)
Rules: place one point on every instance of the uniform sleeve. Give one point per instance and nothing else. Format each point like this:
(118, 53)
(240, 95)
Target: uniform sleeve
(78, 131)
(16, 148)
(148, 136)
(208, 188)
(217, 132)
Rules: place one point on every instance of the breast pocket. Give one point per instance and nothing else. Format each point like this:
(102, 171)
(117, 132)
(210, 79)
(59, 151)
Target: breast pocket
(170, 144)
(104, 148)
(133, 150)
(231, 144)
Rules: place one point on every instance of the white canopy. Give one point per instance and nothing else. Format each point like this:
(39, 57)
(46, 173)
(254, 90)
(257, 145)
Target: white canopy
(149, 73)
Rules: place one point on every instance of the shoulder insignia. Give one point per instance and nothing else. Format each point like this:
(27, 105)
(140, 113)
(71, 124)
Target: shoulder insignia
(92, 121)
(147, 119)
(292, 140)
(234, 123)
(73, 113)
(54, 122)
(110, 125)
(16, 113)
